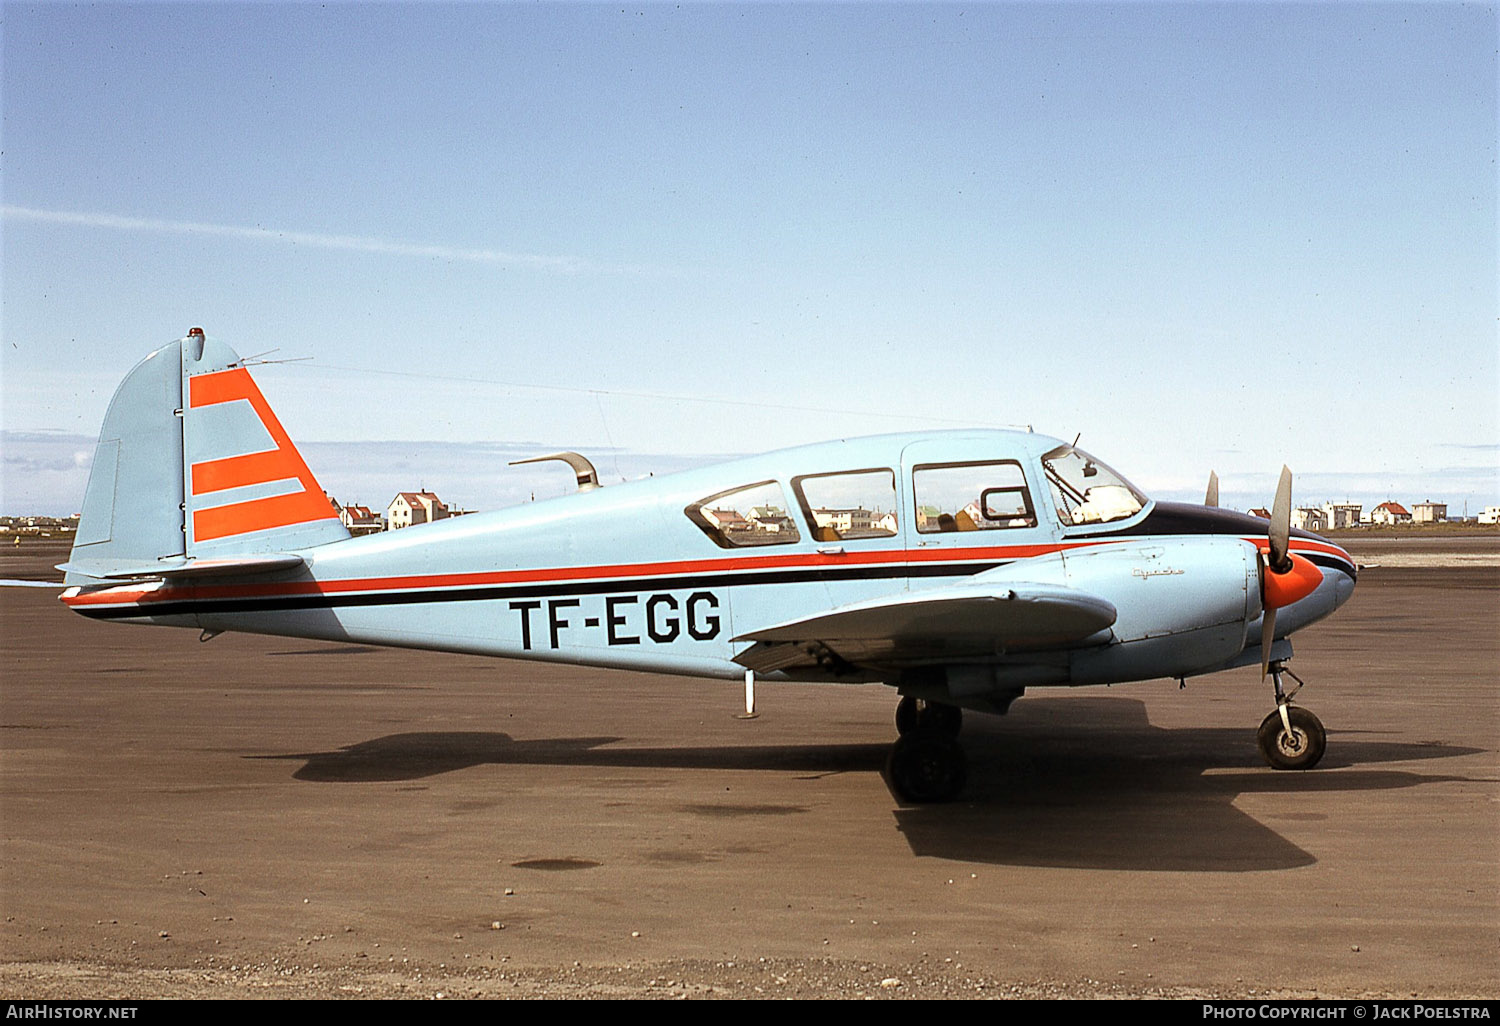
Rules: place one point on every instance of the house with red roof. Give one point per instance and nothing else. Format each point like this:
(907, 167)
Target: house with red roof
(1390, 513)
(361, 520)
(409, 508)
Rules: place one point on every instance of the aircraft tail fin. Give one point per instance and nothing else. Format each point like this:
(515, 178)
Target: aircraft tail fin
(192, 464)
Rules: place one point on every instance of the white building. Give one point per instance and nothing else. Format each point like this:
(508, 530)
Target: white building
(1341, 515)
(1429, 512)
(1310, 518)
(771, 518)
(857, 522)
(409, 508)
(1390, 513)
(361, 520)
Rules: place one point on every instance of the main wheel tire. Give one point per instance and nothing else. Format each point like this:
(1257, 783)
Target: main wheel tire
(1299, 750)
(925, 767)
(908, 716)
(946, 720)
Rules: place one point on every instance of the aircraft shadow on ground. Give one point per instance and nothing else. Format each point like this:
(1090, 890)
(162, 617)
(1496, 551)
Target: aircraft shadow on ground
(1081, 783)
(416, 755)
(330, 650)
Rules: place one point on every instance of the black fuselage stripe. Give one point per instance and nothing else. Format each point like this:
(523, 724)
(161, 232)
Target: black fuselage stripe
(1329, 561)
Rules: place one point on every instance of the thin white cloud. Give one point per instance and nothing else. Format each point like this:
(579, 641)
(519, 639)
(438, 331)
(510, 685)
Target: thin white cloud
(354, 243)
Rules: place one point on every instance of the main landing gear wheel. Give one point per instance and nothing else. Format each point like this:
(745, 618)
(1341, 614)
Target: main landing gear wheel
(926, 767)
(914, 714)
(1299, 748)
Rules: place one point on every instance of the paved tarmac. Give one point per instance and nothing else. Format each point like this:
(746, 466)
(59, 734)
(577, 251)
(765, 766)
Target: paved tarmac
(270, 817)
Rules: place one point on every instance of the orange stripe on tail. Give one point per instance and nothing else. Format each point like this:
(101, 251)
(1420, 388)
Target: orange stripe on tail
(279, 464)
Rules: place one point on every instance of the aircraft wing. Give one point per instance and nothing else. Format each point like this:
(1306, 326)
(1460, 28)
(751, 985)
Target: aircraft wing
(956, 624)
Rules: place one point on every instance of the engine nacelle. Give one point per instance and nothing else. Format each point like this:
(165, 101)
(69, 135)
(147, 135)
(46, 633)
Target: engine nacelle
(1185, 604)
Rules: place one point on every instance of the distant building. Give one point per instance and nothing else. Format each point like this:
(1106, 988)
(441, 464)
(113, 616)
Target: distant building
(1341, 515)
(1310, 518)
(1491, 515)
(730, 521)
(856, 522)
(1261, 512)
(1390, 513)
(761, 527)
(409, 508)
(361, 520)
(40, 527)
(1429, 512)
(771, 518)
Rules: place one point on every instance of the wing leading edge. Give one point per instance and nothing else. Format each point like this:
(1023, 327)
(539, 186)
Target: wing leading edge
(957, 624)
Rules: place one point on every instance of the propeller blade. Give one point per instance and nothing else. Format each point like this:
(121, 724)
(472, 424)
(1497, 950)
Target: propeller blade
(1212, 497)
(1280, 531)
(1267, 637)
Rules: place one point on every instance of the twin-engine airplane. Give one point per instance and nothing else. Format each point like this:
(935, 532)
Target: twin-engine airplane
(959, 567)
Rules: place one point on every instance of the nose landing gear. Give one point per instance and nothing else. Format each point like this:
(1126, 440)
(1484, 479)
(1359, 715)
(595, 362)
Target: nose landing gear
(1290, 738)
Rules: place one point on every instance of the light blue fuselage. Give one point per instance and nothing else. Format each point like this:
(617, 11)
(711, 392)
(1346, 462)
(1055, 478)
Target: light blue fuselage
(623, 576)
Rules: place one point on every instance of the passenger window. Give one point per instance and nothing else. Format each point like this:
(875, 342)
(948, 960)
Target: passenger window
(752, 515)
(856, 504)
(971, 497)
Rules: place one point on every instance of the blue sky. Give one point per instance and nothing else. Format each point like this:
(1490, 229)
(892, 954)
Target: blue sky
(1205, 236)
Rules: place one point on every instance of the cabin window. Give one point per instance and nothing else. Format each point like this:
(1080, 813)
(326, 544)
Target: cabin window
(854, 504)
(1086, 491)
(746, 516)
(971, 497)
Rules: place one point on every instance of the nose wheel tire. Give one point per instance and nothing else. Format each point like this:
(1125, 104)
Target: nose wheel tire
(925, 767)
(1299, 748)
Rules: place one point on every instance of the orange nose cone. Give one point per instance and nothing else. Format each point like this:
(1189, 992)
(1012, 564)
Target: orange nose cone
(1283, 589)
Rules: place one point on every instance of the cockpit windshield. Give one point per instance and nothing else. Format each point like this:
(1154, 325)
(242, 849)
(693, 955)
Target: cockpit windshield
(1086, 491)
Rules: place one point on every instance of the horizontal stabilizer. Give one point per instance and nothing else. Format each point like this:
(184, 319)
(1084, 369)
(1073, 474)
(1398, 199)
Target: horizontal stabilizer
(182, 567)
(955, 624)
